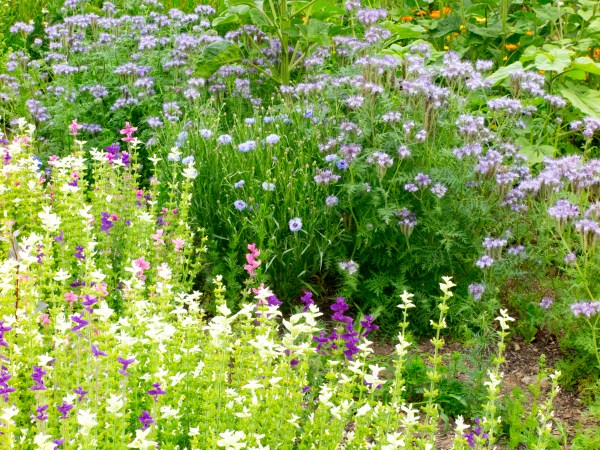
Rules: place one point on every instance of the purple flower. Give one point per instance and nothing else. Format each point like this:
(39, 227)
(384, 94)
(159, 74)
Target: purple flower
(5, 389)
(146, 419)
(562, 211)
(239, 184)
(37, 376)
(81, 392)
(106, 222)
(476, 290)
(125, 363)
(4, 329)
(546, 302)
(367, 324)
(41, 413)
(295, 224)
(422, 179)
(64, 409)
(240, 205)
(307, 300)
(81, 323)
(97, 352)
(484, 261)
(331, 201)
(79, 252)
(156, 391)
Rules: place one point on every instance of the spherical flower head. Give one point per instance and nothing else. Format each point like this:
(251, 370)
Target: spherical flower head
(331, 201)
(272, 139)
(295, 224)
(240, 205)
(476, 290)
(206, 134)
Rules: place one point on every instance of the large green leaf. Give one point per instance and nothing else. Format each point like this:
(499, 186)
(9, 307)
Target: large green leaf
(555, 60)
(586, 64)
(216, 55)
(503, 72)
(581, 97)
(407, 31)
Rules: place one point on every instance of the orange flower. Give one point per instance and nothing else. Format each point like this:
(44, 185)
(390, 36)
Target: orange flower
(529, 33)
(510, 47)
(406, 18)
(435, 14)
(597, 53)
(541, 72)
(421, 13)
(446, 10)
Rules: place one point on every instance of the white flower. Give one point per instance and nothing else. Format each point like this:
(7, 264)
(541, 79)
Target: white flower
(394, 440)
(104, 311)
(44, 359)
(167, 412)
(8, 413)
(141, 440)
(364, 409)
(447, 285)
(97, 276)
(503, 318)
(494, 382)
(164, 271)
(231, 440)
(61, 275)
(114, 403)
(43, 442)
(406, 302)
(460, 426)
(176, 379)
(194, 432)
(50, 221)
(190, 173)
(87, 420)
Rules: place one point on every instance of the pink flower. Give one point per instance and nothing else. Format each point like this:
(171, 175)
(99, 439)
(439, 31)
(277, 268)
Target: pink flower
(141, 264)
(158, 237)
(44, 319)
(128, 131)
(253, 263)
(178, 244)
(71, 298)
(74, 127)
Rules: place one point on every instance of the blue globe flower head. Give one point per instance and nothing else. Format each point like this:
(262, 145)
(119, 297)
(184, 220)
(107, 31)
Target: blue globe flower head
(295, 224)
(240, 205)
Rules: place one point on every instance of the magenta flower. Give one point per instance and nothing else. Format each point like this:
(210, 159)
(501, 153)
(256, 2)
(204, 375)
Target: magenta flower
(74, 127)
(128, 131)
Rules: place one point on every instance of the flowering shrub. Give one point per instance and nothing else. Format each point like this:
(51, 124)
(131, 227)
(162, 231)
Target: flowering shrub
(103, 343)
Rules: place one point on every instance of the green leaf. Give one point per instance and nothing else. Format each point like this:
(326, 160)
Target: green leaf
(555, 60)
(448, 25)
(503, 72)
(594, 26)
(581, 97)
(226, 19)
(407, 31)
(258, 17)
(536, 153)
(216, 55)
(586, 64)
(480, 30)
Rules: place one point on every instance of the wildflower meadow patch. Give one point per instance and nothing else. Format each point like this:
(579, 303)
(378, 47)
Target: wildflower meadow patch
(208, 210)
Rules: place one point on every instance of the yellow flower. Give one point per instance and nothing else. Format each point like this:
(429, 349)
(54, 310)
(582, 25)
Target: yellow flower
(305, 20)
(480, 19)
